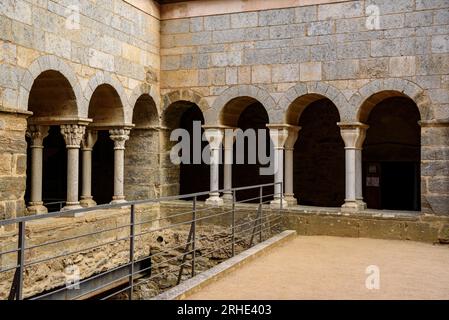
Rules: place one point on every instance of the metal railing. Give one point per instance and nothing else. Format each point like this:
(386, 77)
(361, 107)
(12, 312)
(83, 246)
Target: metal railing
(237, 226)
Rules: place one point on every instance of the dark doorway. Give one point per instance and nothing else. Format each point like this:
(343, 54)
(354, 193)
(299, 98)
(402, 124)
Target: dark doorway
(253, 117)
(319, 157)
(103, 168)
(391, 156)
(193, 177)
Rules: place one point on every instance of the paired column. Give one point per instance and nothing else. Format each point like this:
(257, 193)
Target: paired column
(278, 135)
(353, 135)
(228, 147)
(119, 136)
(215, 137)
(73, 134)
(87, 145)
(293, 132)
(37, 134)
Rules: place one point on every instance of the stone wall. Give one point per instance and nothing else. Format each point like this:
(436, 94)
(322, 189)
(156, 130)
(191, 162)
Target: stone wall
(277, 55)
(12, 163)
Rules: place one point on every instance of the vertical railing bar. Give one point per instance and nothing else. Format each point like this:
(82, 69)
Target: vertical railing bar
(21, 259)
(194, 237)
(233, 223)
(131, 251)
(261, 212)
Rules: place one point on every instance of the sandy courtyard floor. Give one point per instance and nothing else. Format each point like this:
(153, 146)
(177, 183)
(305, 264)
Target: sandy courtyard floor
(320, 267)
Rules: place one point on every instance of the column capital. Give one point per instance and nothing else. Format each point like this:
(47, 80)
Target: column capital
(214, 136)
(89, 140)
(73, 134)
(37, 134)
(119, 136)
(278, 134)
(353, 134)
(293, 132)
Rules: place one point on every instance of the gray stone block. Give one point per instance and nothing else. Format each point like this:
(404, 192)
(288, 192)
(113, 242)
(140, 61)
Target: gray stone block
(389, 48)
(288, 31)
(305, 14)
(220, 22)
(320, 28)
(340, 10)
(351, 50)
(276, 17)
(244, 20)
(388, 7)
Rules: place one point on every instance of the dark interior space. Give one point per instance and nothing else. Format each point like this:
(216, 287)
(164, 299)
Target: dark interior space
(54, 169)
(193, 177)
(391, 156)
(252, 117)
(319, 157)
(103, 168)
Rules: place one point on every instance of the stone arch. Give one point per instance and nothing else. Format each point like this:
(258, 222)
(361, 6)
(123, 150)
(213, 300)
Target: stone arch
(215, 114)
(297, 98)
(184, 96)
(102, 78)
(372, 93)
(139, 91)
(51, 63)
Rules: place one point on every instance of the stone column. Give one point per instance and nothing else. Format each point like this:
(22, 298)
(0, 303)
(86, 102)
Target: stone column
(288, 178)
(87, 145)
(215, 137)
(37, 134)
(353, 135)
(73, 134)
(119, 136)
(228, 147)
(278, 135)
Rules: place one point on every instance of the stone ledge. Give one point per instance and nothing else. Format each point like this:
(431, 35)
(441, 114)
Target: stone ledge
(16, 112)
(198, 282)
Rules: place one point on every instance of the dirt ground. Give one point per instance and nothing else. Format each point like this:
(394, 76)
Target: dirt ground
(320, 267)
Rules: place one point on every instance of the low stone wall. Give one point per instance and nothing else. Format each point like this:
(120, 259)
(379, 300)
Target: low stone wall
(369, 224)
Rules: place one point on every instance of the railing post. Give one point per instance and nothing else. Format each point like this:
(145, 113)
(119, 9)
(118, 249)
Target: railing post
(194, 237)
(261, 212)
(233, 224)
(21, 259)
(281, 196)
(131, 251)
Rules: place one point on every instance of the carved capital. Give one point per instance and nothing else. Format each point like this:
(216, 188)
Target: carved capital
(353, 134)
(37, 135)
(73, 134)
(119, 136)
(89, 140)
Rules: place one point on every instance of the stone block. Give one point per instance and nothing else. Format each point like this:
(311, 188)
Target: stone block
(320, 28)
(5, 164)
(224, 59)
(276, 17)
(17, 9)
(57, 45)
(220, 22)
(305, 14)
(98, 59)
(438, 185)
(419, 19)
(432, 64)
(244, 75)
(420, 231)
(231, 75)
(440, 44)
(262, 56)
(374, 68)
(388, 7)
(170, 62)
(426, 4)
(441, 17)
(175, 26)
(288, 31)
(294, 55)
(340, 10)
(310, 71)
(340, 70)
(388, 48)
(434, 168)
(261, 74)
(12, 188)
(332, 226)
(352, 50)
(196, 24)
(402, 66)
(438, 203)
(382, 229)
(244, 20)
(285, 73)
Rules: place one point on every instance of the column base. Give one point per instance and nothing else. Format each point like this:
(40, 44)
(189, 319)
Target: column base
(214, 200)
(72, 206)
(88, 202)
(290, 200)
(352, 206)
(227, 197)
(276, 204)
(118, 199)
(36, 208)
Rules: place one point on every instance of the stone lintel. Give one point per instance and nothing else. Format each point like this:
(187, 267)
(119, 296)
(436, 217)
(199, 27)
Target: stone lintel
(434, 123)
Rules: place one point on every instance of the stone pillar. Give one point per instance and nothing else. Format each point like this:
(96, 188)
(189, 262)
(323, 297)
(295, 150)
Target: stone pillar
(215, 137)
(278, 135)
(87, 145)
(37, 134)
(288, 177)
(434, 166)
(119, 136)
(73, 134)
(228, 147)
(353, 135)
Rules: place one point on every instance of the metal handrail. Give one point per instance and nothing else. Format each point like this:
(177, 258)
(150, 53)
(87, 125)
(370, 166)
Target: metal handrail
(231, 237)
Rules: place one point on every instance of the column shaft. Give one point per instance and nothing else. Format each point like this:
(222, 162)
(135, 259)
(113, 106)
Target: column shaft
(119, 136)
(87, 145)
(215, 138)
